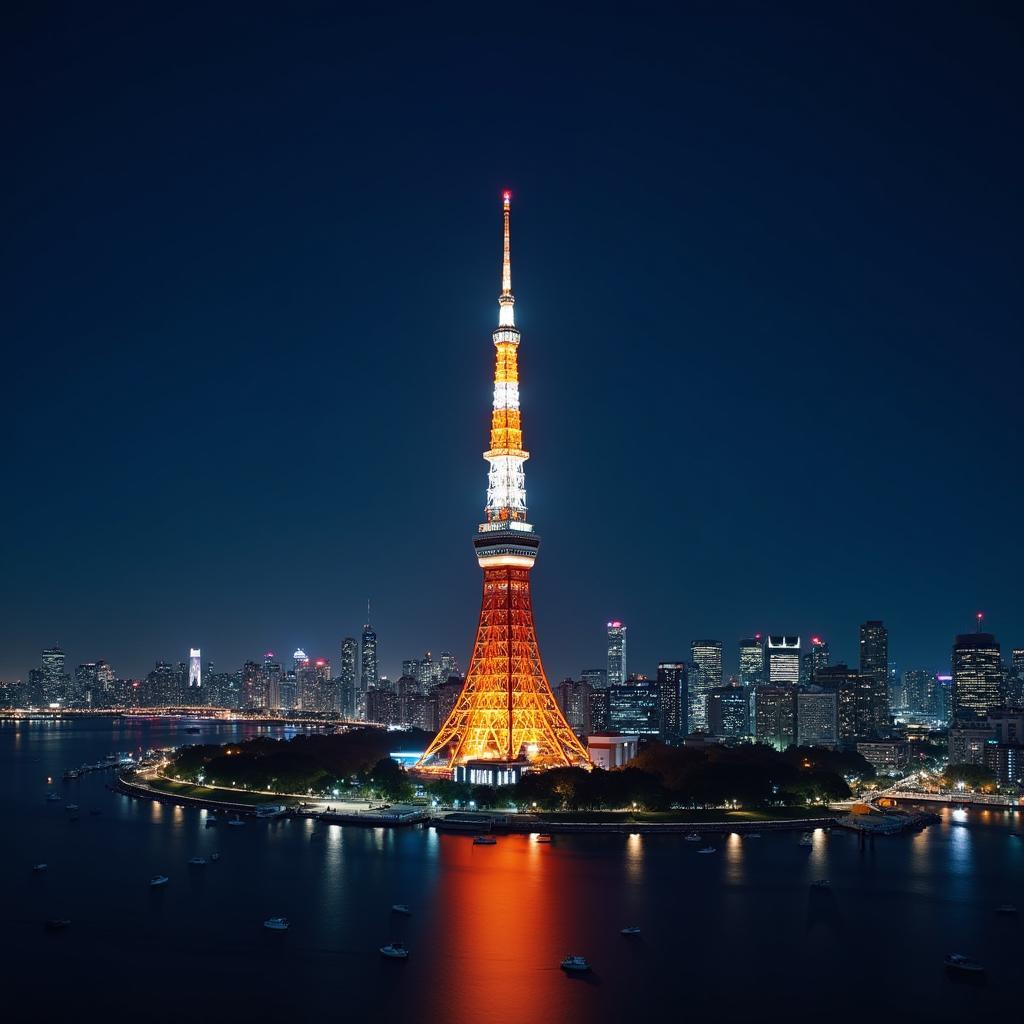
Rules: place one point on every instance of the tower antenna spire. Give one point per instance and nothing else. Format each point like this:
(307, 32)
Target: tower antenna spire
(506, 303)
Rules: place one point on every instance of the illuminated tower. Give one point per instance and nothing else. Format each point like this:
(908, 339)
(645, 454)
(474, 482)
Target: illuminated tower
(506, 709)
(195, 672)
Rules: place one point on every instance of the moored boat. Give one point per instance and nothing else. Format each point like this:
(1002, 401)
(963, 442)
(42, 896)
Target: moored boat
(633, 929)
(157, 880)
(277, 924)
(400, 908)
(394, 951)
(961, 964)
(484, 841)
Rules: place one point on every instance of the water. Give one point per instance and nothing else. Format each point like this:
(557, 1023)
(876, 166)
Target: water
(734, 936)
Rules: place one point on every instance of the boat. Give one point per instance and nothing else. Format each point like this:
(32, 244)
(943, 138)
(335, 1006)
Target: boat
(1003, 908)
(71, 807)
(484, 841)
(53, 797)
(158, 880)
(706, 849)
(807, 839)
(277, 924)
(821, 883)
(752, 835)
(693, 838)
(57, 924)
(197, 862)
(544, 838)
(235, 821)
(214, 856)
(394, 951)
(633, 929)
(400, 908)
(575, 964)
(39, 867)
(963, 964)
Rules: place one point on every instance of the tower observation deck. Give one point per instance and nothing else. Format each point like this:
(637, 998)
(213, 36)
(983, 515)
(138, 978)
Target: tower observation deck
(506, 710)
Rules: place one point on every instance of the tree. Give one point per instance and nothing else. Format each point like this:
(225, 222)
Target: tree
(972, 776)
(390, 781)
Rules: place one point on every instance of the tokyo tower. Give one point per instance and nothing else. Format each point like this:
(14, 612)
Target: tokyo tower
(506, 710)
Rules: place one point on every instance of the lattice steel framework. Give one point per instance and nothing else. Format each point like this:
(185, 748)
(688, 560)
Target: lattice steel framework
(506, 709)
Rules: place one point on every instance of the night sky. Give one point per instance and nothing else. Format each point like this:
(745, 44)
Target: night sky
(768, 271)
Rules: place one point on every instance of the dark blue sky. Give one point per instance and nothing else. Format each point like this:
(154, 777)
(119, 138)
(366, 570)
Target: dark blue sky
(768, 271)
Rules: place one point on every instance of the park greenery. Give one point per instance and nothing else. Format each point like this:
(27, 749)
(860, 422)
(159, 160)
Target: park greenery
(661, 778)
(968, 776)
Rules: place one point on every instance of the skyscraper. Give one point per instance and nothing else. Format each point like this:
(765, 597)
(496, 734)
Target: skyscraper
(752, 660)
(706, 676)
(195, 676)
(506, 709)
(272, 676)
(54, 681)
(347, 677)
(775, 716)
(728, 710)
(616, 674)
(634, 708)
(977, 675)
(817, 717)
(369, 675)
(783, 660)
(673, 693)
(597, 677)
(874, 665)
(573, 698)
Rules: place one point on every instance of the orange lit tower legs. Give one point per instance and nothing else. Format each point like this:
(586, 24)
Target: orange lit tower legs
(506, 708)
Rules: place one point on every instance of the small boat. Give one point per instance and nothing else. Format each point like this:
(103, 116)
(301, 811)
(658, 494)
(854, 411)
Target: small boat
(158, 880)
(53, 798)
(752, 835)
(277, 924)
(57, 924)
(39, 867)
(400, 908)
(821, 883)
(575, 964)
(235, 821)
(71, 807)
(1003, 908)
(484, 841)
(633, 929)
(197, 862)
(706, 849)
(963, 964)
(807, 839)
(394, 951)
(693, 838)
(214, 856)
(544, 838)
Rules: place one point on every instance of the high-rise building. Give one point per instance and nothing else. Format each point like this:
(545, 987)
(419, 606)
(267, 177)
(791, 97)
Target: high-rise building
(820, 655)
(54, 682)
(1015, 678)
(599, 720)
(162, 686)
(705, 677)
(855, 697)
(597, 677)
(634, 707)
(775, 716)
(347, 678)
(783, 655)
(85, 684)
(195, 675)
(573, 698)
(728, 710)
(616, 674)
(272, 677)
(253, 693)
(448, 667)
(817, 717)
(919, 691)
(369, 675)
(673, 693)
(977, 675)
(874, 665)
(752, 660)
(506, 709)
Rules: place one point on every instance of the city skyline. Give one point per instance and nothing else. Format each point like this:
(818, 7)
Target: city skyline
(224, 456)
